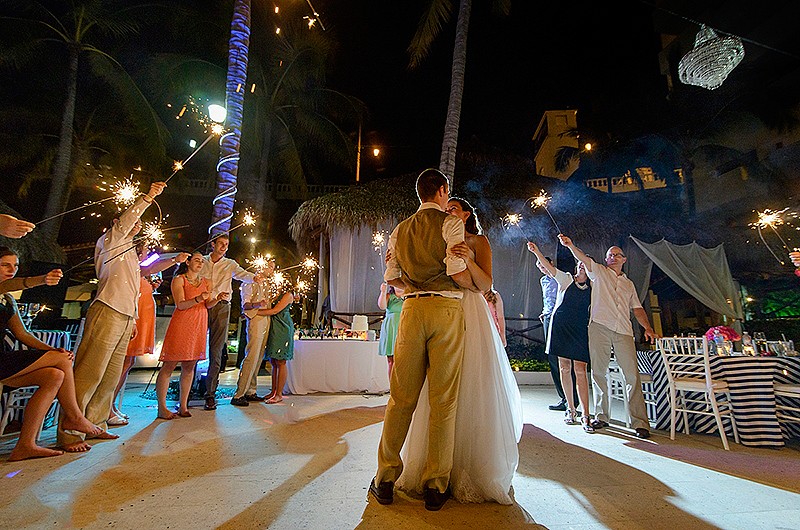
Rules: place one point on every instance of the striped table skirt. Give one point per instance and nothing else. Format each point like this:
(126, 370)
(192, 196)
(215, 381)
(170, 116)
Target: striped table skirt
(750, 380)
(55, 338)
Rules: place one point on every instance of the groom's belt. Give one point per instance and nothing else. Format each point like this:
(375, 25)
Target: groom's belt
(421, 295)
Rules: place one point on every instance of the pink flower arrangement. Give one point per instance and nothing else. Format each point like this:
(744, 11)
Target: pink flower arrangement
(727, 333)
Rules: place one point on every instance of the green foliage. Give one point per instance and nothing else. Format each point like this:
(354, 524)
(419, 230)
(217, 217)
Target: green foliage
(527, 356)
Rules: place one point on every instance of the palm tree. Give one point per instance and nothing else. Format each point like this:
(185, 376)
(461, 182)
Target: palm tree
(438, 14)
(235, 87)
(76, 30)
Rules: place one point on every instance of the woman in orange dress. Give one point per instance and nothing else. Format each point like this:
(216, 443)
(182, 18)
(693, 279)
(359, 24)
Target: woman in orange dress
(185, 340)
(143, 339)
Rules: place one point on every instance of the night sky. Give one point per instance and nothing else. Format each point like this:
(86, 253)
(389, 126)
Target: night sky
(545, 55)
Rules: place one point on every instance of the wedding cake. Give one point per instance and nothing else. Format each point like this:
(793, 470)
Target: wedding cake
(360, 323)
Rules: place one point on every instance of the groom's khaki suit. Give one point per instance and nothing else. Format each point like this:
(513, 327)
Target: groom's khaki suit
(430, 341)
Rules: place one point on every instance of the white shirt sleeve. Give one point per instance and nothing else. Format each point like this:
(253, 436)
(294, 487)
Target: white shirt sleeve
(634, 303)
(564, 279)
(597, 269)
(453, 234)
(392, 268)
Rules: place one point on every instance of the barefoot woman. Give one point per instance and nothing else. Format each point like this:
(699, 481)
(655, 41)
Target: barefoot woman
(42, 366)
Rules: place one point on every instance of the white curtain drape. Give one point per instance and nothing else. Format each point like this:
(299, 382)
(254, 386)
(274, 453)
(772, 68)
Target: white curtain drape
(701, 272)
(356, 269)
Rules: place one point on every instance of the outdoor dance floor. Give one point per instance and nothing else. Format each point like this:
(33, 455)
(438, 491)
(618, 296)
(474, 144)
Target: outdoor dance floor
(307, 463)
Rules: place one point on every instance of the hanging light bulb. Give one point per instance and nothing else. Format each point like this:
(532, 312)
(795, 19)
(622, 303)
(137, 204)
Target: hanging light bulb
(711, 60)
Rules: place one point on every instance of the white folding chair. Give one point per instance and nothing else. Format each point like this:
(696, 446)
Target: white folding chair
(618, 390)
(15, 400)
(688, 371)
(787, 413)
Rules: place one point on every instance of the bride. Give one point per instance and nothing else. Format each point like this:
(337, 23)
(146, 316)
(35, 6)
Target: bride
(489, 412)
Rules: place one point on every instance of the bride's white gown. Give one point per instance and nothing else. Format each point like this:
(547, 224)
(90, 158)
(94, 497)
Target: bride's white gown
(488, 417)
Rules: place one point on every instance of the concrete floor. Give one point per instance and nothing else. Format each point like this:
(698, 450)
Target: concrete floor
(307, 463)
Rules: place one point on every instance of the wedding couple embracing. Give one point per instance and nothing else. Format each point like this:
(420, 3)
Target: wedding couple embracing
(454, 417)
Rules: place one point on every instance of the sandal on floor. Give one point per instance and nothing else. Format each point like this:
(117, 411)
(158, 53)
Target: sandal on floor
(587, 426)
(116, 421)
(598, 424)
(569, 417)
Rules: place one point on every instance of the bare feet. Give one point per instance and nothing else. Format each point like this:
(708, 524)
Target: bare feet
(77, 447)
(274, 399)
(81, 424)
(184, 414)
(23, 453)
(166, 415)
(105, 435)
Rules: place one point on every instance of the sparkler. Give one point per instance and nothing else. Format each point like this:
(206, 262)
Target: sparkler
(260, 262)
(309, 265)
(124, 193)
(216, 130)
(770, 219)
(540, 201)
(302, 287)
(379, 240)
(513, 219)
(248, 219)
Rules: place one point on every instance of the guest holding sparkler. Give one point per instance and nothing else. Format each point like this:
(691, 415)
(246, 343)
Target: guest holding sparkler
(219, 271)
(14, 228)
(567, 338)
(143, 339)
(256, 298)
(185, 340)
(280, 344)
(109, 322)
(613, 299)
(391, 301)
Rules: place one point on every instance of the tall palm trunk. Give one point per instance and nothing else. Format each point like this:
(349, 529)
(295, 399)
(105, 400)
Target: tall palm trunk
(235, 86)
(59, 186)
(447, 162)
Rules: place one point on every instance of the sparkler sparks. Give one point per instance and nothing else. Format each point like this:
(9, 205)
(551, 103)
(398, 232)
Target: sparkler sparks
(302, 286)
(771, 219)
(512, 219)
(540, 201)
(378, 239)
(177, 165)
(153, 233)
(260, 262)
(249, 218)
(125, 192)
(310, 264)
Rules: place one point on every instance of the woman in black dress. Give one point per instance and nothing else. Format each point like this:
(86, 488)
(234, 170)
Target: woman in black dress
(568, 337)
(49, 369)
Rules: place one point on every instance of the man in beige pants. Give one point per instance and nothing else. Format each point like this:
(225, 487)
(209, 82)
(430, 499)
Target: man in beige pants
(430, 338)
(613, 299)
(109, 321)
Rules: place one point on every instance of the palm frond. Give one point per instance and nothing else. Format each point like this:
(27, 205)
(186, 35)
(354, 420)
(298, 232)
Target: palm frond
(435, 17)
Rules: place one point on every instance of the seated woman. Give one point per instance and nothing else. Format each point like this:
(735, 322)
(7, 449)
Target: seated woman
(49, 369)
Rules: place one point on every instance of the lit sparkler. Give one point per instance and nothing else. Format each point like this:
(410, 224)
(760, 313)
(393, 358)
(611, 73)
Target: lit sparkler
(513, 219)
(260, 262)
(540, 201)
(302, 287)
(770, 219)
(248, 219)
(216, 130)
(125, 192)
(309, 265)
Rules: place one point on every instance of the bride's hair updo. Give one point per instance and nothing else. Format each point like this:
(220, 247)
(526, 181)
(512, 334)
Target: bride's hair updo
(471, 225)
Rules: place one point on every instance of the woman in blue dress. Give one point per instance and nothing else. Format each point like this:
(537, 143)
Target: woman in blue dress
(280, 344)
(390, 301)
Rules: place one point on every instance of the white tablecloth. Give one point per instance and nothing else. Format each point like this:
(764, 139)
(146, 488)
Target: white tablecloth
(337, 366)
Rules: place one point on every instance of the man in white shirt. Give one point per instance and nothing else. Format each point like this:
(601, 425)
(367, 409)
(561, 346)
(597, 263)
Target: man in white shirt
(613, 298)
(219, 271)
(109, 321)
(256, 299)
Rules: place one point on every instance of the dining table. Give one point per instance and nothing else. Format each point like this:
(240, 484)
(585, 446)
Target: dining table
(750, 380)
(337, 366)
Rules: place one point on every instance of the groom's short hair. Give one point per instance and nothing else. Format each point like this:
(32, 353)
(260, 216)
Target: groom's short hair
(429, 182)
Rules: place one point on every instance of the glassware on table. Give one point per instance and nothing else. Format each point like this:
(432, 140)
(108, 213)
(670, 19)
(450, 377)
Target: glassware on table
(23, 310)
(727, 348)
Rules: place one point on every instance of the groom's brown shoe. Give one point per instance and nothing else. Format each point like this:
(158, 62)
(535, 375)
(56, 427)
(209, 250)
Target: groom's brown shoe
(434, 500)
(384, 491)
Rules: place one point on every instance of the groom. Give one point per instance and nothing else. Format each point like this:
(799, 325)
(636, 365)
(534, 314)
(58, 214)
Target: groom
(430, 338)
